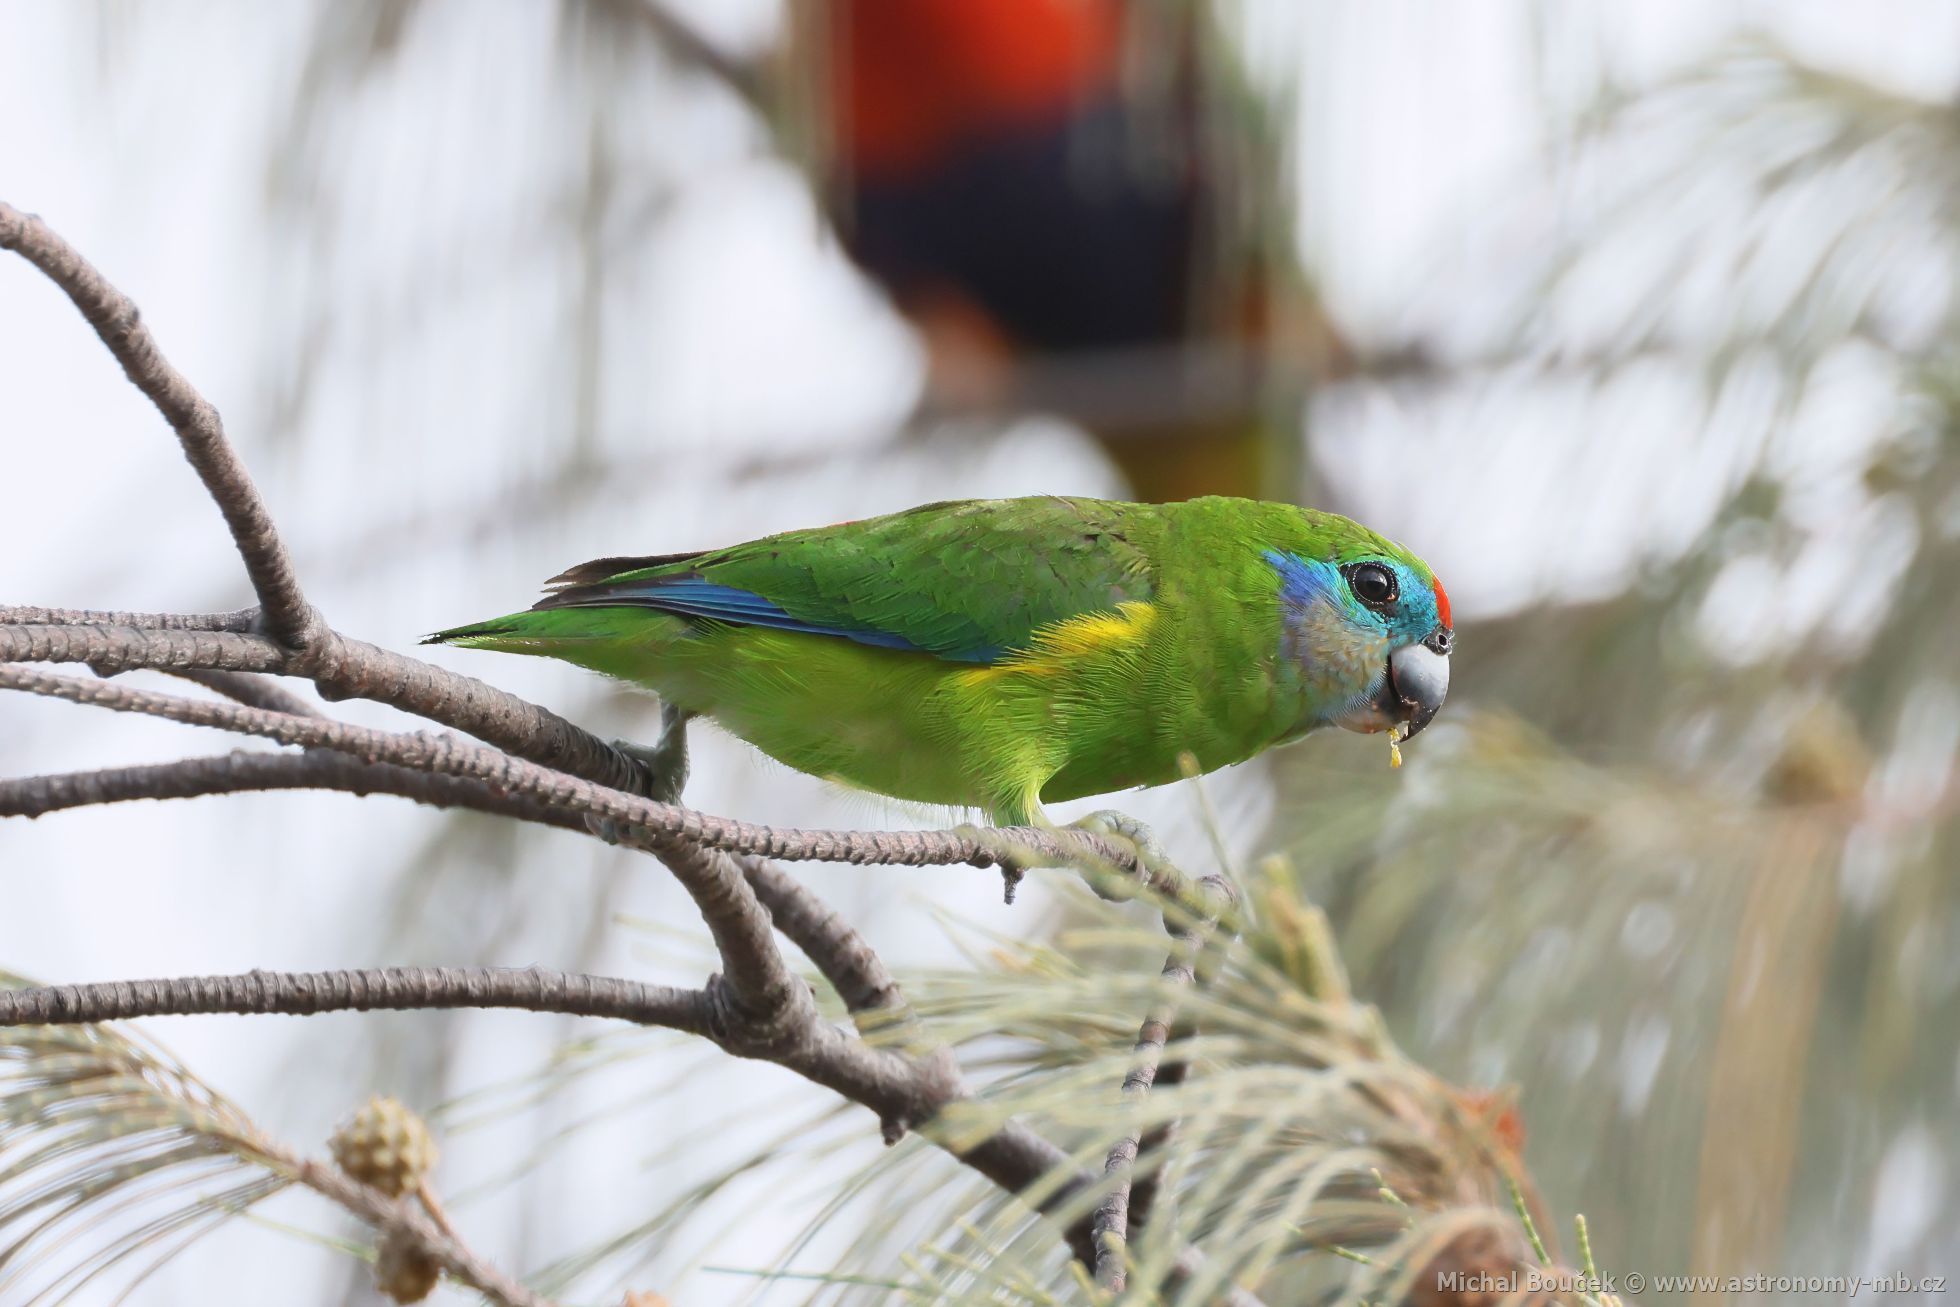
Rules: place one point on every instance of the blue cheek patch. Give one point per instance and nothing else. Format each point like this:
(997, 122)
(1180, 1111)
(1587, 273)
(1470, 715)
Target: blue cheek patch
(1306, 581)
(1338, 646)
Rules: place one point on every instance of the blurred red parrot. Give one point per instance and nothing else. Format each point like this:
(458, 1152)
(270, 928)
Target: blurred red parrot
(1057, 194)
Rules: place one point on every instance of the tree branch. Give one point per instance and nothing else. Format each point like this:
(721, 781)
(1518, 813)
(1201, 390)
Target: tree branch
(765, 992)
(243, 771)
(304, 993)
(240, 620)
(846, 960)
(344, 668)
(904, 1092)
(542, 769)
(288, 617)
(1013, 1158)
(341, 668)
(633, 814)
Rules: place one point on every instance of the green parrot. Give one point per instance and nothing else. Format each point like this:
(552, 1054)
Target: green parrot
(1002, 653)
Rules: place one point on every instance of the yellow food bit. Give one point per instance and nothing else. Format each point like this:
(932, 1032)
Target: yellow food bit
(1395, 744)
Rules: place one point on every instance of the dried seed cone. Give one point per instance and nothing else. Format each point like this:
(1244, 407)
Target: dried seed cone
(386, 1146)
(403, 1271)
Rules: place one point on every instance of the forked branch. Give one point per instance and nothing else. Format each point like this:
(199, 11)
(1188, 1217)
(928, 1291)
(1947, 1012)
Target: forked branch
(288, 618)
(532, 766)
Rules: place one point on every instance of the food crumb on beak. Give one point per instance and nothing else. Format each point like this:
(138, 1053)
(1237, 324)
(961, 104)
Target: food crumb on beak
(1395, 744)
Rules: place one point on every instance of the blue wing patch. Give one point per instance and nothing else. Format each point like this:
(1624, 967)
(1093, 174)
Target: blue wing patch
(693, 596)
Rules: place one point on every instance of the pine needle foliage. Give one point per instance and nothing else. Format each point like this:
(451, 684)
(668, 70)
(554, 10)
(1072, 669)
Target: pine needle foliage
(1285, 1128)
(113, 1159)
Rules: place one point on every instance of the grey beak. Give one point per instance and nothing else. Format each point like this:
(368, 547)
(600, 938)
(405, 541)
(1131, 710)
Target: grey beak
(1419, 680)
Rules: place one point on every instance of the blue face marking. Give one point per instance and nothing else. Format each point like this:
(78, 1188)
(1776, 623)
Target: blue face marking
(1339, 647)
(1306, 583)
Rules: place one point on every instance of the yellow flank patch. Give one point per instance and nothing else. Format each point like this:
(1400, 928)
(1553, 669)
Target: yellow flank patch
(1057, 646)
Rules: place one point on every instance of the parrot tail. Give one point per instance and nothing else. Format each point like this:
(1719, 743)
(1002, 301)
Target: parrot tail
(481, 635)
(629, 643)
(556, 631)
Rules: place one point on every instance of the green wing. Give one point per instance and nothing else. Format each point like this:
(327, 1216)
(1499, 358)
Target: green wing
(965, 580)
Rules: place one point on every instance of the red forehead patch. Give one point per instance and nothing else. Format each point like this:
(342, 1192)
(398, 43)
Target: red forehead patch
(1442, 603)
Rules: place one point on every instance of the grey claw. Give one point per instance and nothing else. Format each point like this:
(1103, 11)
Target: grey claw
(604, 827)
(1008, 856)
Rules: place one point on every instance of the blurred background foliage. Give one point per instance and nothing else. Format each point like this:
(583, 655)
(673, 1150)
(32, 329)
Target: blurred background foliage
(1637, 321)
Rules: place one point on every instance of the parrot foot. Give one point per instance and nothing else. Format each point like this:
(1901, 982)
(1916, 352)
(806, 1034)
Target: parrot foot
(665, 762)
(1153, 866)
(664, 768)
(1153, 863)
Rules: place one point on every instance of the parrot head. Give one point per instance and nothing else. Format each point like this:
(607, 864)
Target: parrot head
(1368, 625)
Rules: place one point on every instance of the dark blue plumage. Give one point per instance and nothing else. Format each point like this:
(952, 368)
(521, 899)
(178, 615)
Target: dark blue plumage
(694, 596)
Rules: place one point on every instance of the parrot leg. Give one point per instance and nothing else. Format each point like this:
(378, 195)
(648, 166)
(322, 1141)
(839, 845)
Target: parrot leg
(666, 761)
(665, 764)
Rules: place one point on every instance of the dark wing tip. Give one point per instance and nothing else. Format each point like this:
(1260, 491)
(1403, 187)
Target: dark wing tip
(605, 569)
(568, 595)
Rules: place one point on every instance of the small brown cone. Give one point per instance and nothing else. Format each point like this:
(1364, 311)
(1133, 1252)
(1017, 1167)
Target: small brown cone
(385, 1146)
(403, 1270)
(1824, 759)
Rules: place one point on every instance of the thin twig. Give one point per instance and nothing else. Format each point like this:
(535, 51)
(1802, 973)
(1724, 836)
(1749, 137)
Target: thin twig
(341, 668)
(1189, 935)
(243, 771)
(425, 1194)
(687, 46)
(110, 649)
(391, 1216)
(254, 691)
(843, 955)
(288, 617)
(304, 993)
(757, 979)
(345, 668)
(240, 620)
(1143, 1188)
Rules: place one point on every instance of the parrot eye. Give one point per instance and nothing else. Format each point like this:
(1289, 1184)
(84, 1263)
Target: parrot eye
(1373, 584)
